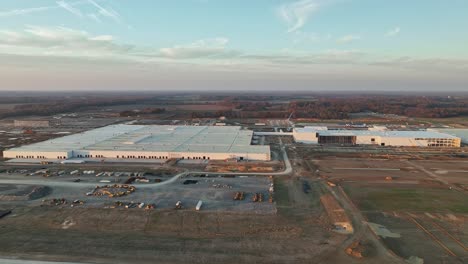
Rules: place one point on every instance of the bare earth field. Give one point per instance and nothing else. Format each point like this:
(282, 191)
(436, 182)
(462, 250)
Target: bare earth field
(296, 234)
(113, 236)
(420, 216)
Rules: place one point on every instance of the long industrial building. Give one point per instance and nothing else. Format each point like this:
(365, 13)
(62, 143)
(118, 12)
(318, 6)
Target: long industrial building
(379, 136)
(148, 142)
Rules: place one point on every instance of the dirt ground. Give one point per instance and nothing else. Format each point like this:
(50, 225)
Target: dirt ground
(421, 215)
(296, 234)
(450, 230)
(452, 171)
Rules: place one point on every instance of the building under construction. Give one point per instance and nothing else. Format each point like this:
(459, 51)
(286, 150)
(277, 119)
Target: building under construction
(379, 136)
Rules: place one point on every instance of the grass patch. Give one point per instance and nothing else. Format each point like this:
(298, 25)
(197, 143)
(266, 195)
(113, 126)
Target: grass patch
(408, 199)
(317, 190)
(281, 193)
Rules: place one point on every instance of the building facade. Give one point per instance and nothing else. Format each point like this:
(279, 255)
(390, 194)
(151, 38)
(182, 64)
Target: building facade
(378, 137)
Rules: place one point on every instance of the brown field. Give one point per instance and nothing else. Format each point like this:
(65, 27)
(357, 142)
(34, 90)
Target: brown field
(7, 106)
(297, 234)
(210, 107)
(421, 216)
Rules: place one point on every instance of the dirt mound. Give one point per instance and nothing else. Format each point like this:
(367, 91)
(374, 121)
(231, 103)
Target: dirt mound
(26, 193)
(360, 249)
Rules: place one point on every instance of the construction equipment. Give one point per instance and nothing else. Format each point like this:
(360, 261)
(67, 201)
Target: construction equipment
(239, 196)
(77, 202)
(258, 197)
(178, 205)
(116, 190)
(55, 201)
(255, 198)
(270, 198)
(150, 206)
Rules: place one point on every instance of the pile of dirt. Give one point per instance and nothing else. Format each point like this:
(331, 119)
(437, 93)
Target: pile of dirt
(4, 213)
(116, 190)
(359, 249)
(233, 166)
(27, 193)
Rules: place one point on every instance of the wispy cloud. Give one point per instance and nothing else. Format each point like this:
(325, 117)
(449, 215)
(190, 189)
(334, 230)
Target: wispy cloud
(98, 13)
(432, 64)
(94, 17)
(348, 39)
(204, 48)
(297, 14)
(57, 43)
(106, 12)
(393, 32)
(69, 8)
(60, 41)
(25, 11)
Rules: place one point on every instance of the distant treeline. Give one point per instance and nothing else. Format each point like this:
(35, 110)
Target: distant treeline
(320, 106)
(146, 111)
(67, 105)
(328, 107)
(338, 108)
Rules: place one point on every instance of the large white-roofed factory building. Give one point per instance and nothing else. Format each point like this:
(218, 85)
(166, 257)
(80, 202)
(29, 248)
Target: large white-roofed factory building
(148, 142)
(378, 136)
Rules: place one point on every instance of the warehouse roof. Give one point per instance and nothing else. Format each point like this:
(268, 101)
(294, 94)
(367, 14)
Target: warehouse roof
(310, 129)
(458, 132)
(230, 139)
(386, 133)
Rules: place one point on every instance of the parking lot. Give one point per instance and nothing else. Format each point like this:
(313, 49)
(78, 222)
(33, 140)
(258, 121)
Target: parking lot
(216, 192)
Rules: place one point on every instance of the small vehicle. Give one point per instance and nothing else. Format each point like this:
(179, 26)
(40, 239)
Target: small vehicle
(77, 180)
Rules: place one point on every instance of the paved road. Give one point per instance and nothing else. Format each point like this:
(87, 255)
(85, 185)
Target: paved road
(374, 169)
(361, 228)
(288, 169)
(435, 176)
(62, 183)
(14, 261)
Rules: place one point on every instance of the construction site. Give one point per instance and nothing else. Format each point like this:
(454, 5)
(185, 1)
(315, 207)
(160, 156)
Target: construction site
(246, 191)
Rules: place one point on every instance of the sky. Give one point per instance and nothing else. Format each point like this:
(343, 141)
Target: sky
(245, 45)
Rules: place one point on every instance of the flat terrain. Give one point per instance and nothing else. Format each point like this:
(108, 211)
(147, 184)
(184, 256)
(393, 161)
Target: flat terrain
(297, 233)
(422, 209)
(110, 236)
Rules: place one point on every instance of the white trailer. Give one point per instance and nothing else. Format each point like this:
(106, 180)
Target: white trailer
(72, 162)
(199, 204)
